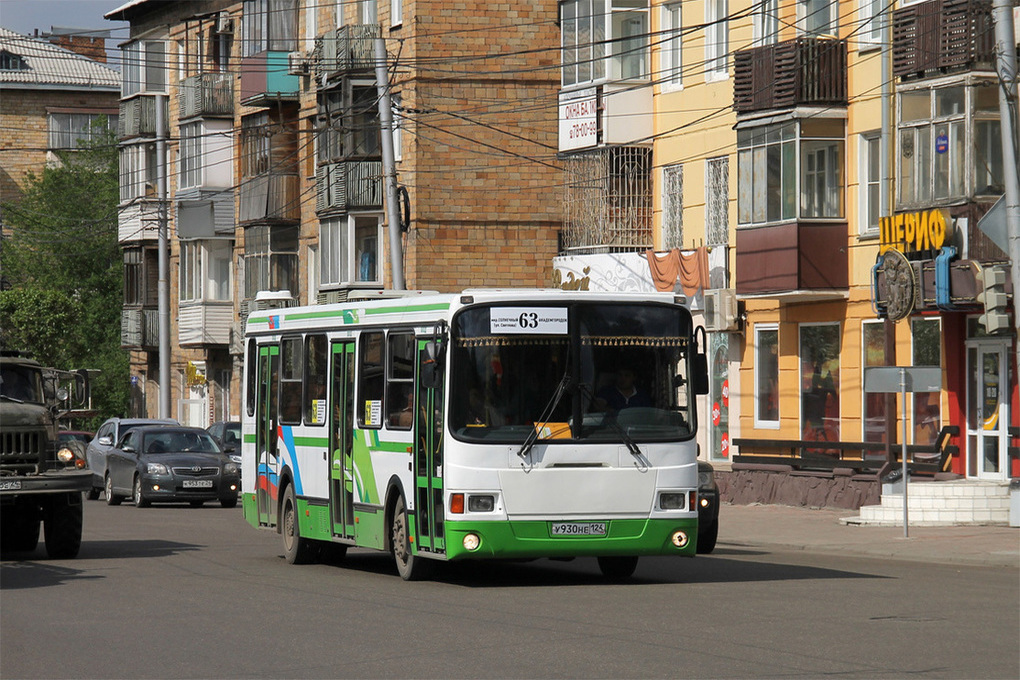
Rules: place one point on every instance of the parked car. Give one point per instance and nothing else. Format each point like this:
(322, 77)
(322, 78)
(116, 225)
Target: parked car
(75, 436)
(227, 434)
(156, 464)
(708, 508)
(110, 433)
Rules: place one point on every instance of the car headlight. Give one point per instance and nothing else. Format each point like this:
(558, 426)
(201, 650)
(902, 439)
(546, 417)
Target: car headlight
(65, 455)
(230, 469)
(157, 469)
(706, 480)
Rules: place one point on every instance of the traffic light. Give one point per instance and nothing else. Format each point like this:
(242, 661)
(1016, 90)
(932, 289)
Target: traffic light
(992, 296)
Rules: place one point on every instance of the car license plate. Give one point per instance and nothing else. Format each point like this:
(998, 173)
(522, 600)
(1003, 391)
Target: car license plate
(578, 528)
(13, 485)
(197, 484)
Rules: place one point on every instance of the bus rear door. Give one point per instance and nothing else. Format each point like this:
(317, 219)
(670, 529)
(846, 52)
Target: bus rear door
(341, 442)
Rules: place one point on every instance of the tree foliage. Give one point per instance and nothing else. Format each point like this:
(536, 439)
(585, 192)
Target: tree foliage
(63, 271)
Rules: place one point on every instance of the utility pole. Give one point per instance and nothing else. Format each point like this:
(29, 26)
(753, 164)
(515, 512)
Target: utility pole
(885, 210)
(382, 84)
(1006, 68)
(163, 290)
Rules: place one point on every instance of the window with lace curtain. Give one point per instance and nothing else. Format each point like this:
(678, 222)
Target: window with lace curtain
(717, 200)
(673, 206)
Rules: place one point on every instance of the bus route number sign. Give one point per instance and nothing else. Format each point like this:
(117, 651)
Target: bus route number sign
(531, 320)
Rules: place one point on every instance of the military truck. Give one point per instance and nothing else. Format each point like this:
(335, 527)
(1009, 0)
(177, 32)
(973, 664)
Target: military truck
(41, 480)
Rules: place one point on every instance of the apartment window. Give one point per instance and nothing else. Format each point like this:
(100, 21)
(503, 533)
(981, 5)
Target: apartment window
(819, 382)
(256, 145)
(673, 206)
(870, 165)
(766, 22)
(330, 140)
(269, 25)
(368, 11)
(71, 130)
(716, 39)
(772, 189)
(873, 15)
(316, 347)
(190, 154)
(874, 415)
(349, 250)
(603, 38)
(270, 259)
(672, 46)
(717, 201)
(934, 128)
(400, 359)
(926, 350)
(766, 376)
(363, 123)
(818, 17)
(396, 12)
(141, 271)
(219, 255)
(12, 62)
(191, 271)
(137, 171)
(145, 67)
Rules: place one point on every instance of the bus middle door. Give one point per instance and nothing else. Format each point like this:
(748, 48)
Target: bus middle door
(341, 439)
(267, 464)
(428, 461)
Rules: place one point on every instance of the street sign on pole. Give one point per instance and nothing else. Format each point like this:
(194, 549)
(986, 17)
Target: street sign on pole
(903, 379)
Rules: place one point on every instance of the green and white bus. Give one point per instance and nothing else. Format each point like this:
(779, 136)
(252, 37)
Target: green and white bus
(482, 425)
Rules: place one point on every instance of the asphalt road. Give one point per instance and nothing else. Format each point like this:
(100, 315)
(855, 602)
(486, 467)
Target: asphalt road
(180, 592)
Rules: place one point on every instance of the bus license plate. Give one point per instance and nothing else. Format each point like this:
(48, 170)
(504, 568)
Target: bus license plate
(579, 529)
(197, 484)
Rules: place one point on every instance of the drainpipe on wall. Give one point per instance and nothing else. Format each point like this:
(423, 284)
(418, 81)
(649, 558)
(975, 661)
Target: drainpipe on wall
(382, 85)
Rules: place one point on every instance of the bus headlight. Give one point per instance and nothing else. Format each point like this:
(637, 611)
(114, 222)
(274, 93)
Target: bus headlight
(481, 503)
(680, 539)
(672, 500)
(471, 542)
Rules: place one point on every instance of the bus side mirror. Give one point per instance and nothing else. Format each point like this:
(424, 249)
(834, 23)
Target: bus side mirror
(699, 380)
(432, 365)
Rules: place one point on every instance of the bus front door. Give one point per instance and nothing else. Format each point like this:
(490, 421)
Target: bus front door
(428, 463)
(341, 439)
(267, 466)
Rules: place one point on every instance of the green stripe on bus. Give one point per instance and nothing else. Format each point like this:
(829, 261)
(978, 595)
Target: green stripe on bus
(439, 306)
(311, 441)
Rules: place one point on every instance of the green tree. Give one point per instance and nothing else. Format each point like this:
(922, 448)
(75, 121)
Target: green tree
(62, 270)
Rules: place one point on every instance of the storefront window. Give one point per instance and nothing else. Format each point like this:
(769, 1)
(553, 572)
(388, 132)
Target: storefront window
(766, 383)
(819, 376)
(927, 351)
(874, 403)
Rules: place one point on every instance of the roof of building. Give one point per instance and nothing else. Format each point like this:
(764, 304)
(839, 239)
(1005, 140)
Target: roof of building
(39, 64)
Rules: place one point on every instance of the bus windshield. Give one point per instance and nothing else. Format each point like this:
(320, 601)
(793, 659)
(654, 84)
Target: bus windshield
(583, 371)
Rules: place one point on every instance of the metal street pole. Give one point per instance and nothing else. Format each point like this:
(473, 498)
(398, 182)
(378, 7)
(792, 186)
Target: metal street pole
(1006, 68)
(163, 289)
(903, 449)
(382, 85)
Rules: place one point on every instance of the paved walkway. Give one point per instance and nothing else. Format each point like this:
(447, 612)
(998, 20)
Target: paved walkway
(780, 527)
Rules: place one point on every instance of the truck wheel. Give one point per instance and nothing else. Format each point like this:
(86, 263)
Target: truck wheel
(93, 494)
(20, 531)
(62, 521)
(111, 497)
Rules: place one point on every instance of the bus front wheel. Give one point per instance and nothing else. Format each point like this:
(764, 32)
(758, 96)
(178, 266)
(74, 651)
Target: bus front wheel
(409, 566)
(618, 568)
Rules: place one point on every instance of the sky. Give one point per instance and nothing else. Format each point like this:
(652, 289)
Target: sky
(24, 16)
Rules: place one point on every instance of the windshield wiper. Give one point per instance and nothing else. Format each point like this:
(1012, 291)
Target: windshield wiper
(611, 419)
(561, 389)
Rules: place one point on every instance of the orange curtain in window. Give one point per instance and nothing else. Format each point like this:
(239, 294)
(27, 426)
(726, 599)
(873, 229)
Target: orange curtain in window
(690, 268)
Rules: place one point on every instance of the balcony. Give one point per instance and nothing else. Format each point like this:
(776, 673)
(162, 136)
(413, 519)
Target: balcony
(138, 117)
(207, 94)
(205, 214)
(266, 77)
(797, 256)
(139, 328)
(270, 197)
(138, 221)
(942, 36)
(349, 185)
(200, 324)
(347, 50)
(803, 71)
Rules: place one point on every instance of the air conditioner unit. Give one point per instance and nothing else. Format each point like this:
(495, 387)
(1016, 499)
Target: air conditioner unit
(224, 24)
(298, 64)
(330, 297)
(721, 310)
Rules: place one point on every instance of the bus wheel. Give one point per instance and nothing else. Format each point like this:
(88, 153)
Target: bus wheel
(410, 567)
(297, 550)
(617, 568)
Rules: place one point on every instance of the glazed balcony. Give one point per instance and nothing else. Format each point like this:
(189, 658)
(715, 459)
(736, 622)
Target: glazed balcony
(266, 77)
(270, 197)
(205, 323)
(943, 36)
(139, 328)
(803, 71)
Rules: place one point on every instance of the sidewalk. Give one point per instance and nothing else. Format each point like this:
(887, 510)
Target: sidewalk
(780, 527)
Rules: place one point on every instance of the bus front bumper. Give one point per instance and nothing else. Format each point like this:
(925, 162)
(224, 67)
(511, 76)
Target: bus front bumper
(517, 539)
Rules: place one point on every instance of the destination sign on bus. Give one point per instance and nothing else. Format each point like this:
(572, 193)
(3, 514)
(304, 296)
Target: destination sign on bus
(532, 320)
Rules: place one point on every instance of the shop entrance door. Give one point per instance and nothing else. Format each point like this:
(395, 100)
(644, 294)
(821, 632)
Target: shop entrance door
(987, 409)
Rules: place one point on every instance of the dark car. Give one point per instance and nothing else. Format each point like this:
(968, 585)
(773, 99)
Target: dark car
(708, 508)
(228, 435)
(155, 464)
(111, 432)
(75, 436)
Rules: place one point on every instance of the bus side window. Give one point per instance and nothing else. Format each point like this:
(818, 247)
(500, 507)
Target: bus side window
(315, 380)
(251, 368)
(290, 381)
(400, 381)
(371, 380)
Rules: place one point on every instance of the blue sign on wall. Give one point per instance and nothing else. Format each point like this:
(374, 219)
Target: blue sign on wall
(942, 144)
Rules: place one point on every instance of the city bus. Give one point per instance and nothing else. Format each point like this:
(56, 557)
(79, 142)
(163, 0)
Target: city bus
(487, 424)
